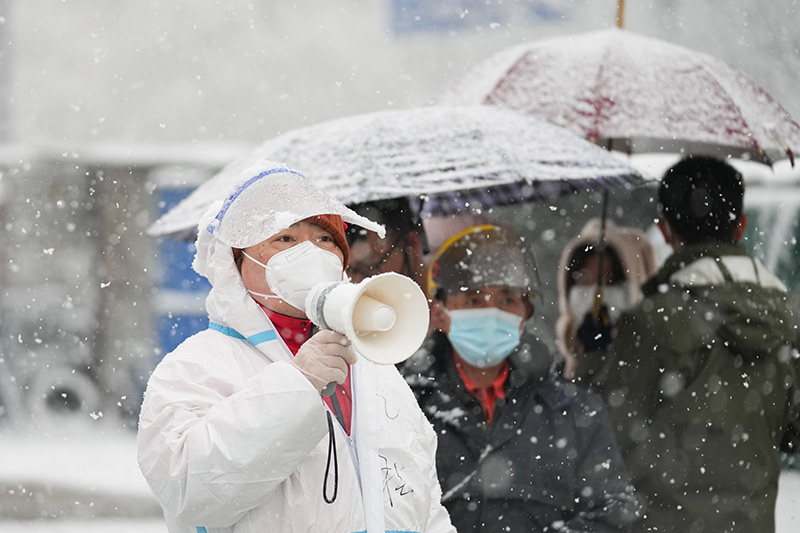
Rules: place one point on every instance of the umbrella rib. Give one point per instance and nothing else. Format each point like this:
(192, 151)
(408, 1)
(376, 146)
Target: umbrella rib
(733, 106)
(598, 98)
(488, 99)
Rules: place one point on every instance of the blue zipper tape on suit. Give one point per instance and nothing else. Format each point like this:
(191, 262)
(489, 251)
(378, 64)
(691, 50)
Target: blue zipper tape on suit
(255, 339)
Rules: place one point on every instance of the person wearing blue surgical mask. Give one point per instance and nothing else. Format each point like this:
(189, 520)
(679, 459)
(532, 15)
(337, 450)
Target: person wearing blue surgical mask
(520, 448)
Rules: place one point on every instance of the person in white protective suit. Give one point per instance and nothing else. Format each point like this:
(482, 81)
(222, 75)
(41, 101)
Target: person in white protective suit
(234, 435)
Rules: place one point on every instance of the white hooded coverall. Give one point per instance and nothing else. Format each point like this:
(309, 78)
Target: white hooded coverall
(233, 438)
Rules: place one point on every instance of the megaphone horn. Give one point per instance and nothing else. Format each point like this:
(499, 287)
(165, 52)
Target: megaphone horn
(384, 316)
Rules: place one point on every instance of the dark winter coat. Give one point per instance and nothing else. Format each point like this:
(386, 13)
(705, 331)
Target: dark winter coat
(547, 462)
(702, 385)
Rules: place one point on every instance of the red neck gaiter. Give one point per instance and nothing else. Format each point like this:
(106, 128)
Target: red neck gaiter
(296, 331)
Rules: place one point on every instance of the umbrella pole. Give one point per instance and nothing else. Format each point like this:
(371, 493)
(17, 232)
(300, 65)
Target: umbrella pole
(620, 13)
(601, 252)
(416, 220)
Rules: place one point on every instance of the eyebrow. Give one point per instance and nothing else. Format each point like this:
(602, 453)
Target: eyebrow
(503, 292)
(471, 292)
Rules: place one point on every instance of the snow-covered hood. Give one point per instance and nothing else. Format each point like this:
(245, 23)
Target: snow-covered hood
(266, 199)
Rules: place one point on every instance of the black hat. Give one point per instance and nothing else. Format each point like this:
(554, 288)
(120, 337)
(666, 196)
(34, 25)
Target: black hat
(702, 197)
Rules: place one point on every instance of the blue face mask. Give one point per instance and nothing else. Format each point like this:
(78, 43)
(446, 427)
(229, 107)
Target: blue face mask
(484, 337)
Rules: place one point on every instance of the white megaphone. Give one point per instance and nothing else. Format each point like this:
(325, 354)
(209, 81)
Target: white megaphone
(384, 316)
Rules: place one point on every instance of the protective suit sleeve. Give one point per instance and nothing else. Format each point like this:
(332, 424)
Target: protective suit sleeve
(210, 452)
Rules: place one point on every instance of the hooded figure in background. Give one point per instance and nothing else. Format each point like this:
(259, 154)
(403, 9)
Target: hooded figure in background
(627, 261)
(520, 449)
(234, 435)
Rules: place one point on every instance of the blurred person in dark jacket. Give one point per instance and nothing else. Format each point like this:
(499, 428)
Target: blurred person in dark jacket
(702, 378)
(520, 449)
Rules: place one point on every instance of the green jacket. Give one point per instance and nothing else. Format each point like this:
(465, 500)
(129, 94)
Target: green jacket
(702, 388)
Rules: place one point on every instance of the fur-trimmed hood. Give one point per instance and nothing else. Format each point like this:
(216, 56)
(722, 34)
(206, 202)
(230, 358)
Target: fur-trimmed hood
(638, 261)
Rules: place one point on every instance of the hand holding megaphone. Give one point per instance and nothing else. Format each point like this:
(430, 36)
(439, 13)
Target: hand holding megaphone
(385, 317)
(323, 359)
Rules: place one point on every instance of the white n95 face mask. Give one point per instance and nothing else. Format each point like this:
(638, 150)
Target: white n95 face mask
(292, 273)
(581, 299)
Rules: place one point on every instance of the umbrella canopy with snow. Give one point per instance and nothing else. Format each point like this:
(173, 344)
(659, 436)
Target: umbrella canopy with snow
(633, 93)
(436, 152)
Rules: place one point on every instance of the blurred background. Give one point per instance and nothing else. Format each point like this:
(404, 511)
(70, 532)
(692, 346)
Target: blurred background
(111, 112)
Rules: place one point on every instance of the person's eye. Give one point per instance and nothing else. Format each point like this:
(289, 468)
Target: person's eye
(325, 238)
(283, 238)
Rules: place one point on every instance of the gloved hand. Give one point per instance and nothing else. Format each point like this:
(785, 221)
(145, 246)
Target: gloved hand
(324, 357)
(595, 333)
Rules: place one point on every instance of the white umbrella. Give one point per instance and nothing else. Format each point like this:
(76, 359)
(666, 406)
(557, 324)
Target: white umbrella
(632, 93)
(435, 152)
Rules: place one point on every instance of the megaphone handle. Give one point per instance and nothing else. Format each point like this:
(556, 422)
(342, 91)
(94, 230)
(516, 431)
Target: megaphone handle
(329, 389)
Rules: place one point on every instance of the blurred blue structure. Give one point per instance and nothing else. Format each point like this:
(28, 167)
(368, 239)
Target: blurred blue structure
(417, 16)
(181, 291)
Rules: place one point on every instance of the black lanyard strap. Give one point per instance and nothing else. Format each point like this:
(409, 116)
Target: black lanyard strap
(331, 453)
